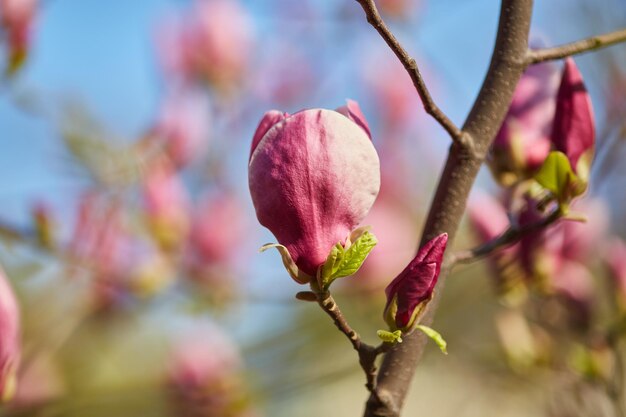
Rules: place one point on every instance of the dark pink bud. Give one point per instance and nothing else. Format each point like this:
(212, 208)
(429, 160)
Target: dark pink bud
(9, 339)
(409, 292)
(573, 132)
(352, 111)
(313, 177)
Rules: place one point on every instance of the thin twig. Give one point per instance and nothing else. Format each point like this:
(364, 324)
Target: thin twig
(374, 19)
(367, 353)
(509, 237)
(585, 45)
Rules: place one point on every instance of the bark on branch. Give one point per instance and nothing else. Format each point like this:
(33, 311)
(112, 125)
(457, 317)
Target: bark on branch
(585, 45)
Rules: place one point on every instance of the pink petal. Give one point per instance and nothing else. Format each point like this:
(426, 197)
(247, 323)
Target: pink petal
(352, 111)
(269, 119)
(313, 178)
(574, 127)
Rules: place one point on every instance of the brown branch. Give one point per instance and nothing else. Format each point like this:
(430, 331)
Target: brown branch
(461, 169)
(367, 353)
(374, 19)
(585, 45)
(509, 237)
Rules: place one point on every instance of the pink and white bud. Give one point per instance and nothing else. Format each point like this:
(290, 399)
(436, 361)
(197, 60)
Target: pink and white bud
(9, 339)
(574, 126)
(523, 142)
(313, 177)
(412, 289)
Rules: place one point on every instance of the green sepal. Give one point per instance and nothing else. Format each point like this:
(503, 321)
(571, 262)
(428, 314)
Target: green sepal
(557, 176)
(342, 262)
(435, 336)
(390, 337)
(299, 276)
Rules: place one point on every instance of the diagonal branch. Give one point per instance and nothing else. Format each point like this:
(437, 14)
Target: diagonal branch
(585, 45)
(509, 237)
(409, 63)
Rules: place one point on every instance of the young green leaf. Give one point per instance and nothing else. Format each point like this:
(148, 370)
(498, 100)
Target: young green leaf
(390, 337)
(556, 175)
(435, 337)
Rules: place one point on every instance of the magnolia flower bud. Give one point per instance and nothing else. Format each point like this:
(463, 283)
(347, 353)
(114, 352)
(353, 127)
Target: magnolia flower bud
(573, 132)
(9, 339)
(523, 141)
(313, 177)
(410, 292)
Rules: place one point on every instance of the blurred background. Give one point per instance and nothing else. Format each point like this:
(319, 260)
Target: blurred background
(128, 234)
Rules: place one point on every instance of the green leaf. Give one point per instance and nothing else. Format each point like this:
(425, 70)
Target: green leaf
(390, 337)
(556, 175)
(356, 254)
(435, 337)
(344, 262)
(332, 264)
(291, 267)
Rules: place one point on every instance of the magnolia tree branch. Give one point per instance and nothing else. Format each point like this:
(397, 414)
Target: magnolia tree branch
(374, 19)
(461, 169)
(509, 237)
(593, 43)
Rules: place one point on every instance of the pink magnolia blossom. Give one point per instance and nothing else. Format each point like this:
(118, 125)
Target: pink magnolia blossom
(218, 228)
(523, 141)
(409, 292)
(9, 339)
(313, 177)
(211, 42)
(574, 127)
(204, 375)
(166, 204)
(17, 19)
(182, 127)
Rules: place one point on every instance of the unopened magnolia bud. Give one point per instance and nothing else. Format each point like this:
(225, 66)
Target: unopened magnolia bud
(313, 177)
(409, 292)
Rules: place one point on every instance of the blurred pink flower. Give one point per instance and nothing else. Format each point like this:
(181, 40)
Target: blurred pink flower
(182, 127)
(166, 204)
(397, 8)
(10, 349)
(211, 42)
(17, 19)
(218, 228)
(313, 177)
(202, 357)
(204, 376)
(396, 230)
(523, 142)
